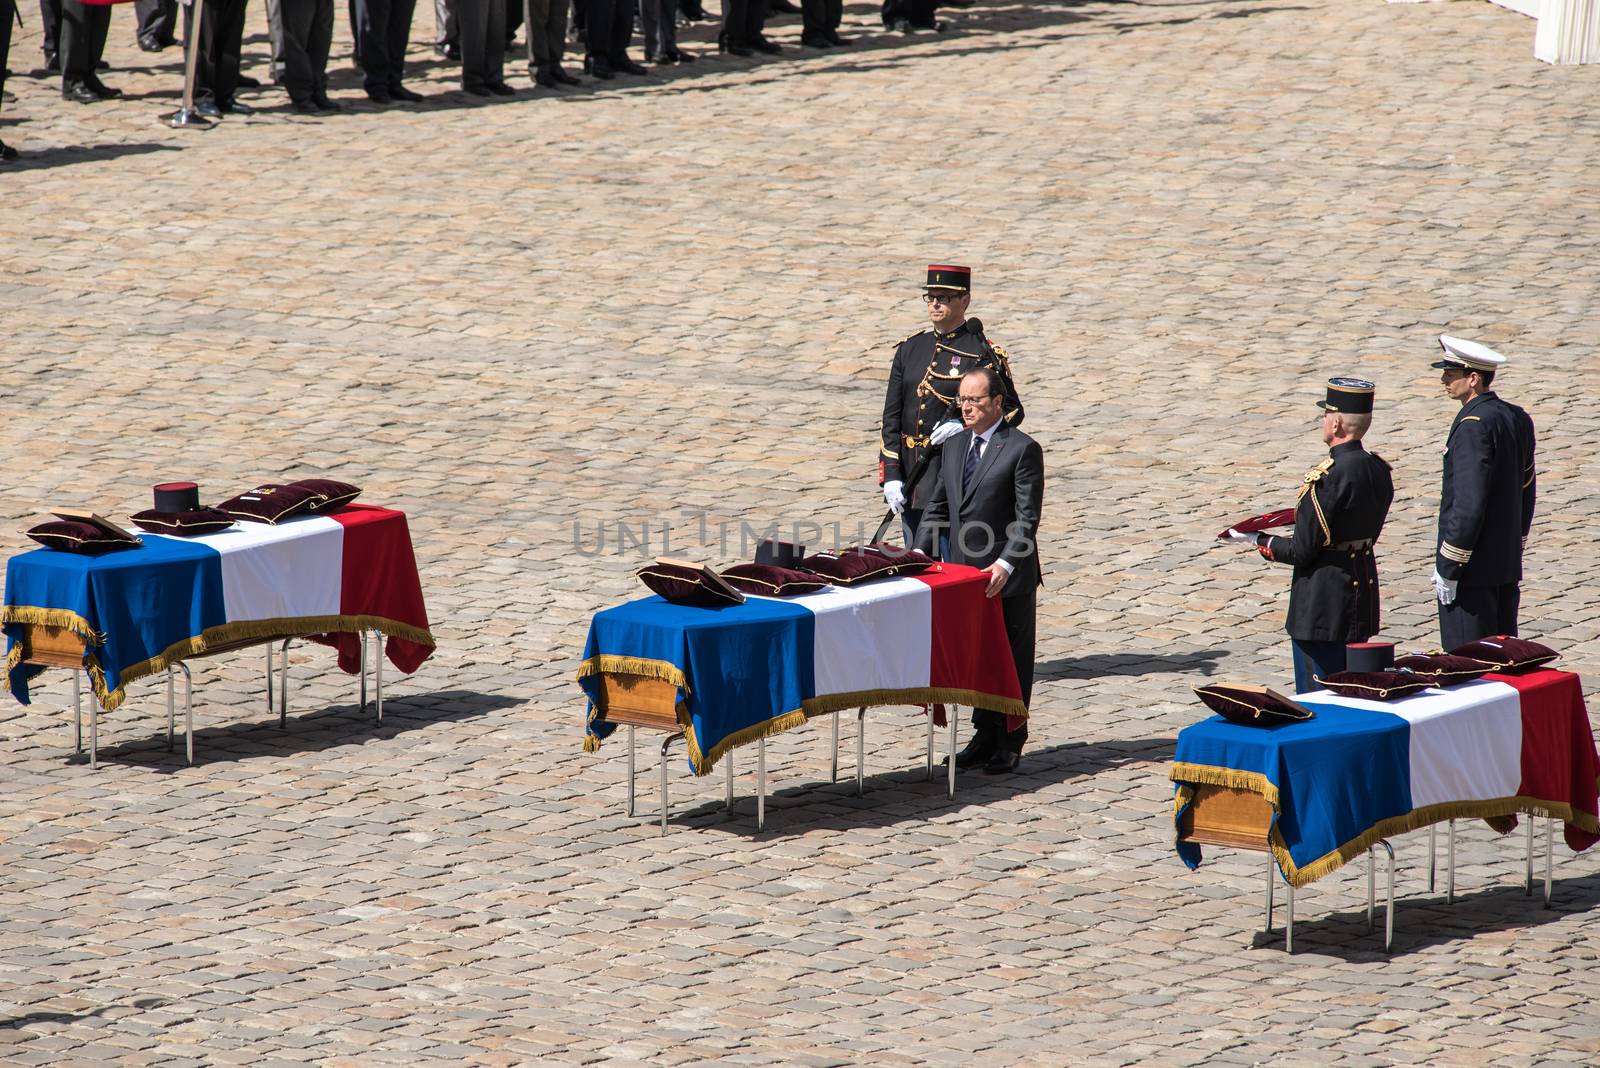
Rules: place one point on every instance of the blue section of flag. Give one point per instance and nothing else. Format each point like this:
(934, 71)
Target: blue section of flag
(142, 600)
(1337, 775)
(744, 664)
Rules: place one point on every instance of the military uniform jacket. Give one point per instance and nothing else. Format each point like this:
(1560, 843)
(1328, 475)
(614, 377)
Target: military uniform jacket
(1486, 503)
(924, 378)
(1343, 503)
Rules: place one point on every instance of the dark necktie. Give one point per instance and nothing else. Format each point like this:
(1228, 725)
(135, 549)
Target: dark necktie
(972, 463)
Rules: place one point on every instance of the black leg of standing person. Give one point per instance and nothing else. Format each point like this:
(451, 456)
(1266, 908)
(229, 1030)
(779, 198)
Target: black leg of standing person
(50, 28)
(8, 15)
(221, 39)
(83, 40)
(598, 17)
(156, 23)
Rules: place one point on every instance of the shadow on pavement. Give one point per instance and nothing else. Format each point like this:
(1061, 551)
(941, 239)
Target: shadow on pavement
(1130, 664)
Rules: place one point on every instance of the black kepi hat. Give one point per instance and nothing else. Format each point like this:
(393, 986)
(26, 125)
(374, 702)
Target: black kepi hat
(1351, 395)
(177, 497)
(949, 276)
(1369, 656)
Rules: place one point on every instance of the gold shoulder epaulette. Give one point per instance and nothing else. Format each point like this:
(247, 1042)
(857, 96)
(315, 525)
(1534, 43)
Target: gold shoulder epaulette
(908, 337)
(1004, 357)
(1316, 473)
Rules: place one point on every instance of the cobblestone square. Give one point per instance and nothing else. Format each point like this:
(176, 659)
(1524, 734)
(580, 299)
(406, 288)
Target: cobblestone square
(671, 303)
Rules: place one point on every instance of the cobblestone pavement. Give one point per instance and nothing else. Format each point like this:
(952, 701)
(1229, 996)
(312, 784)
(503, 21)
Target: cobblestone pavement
(678, 293)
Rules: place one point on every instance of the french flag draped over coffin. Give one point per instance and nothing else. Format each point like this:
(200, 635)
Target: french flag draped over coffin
(141, 609)
(746, 671)
(1362, 770)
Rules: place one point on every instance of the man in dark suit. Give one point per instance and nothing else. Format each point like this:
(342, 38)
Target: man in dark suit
(8, 12)
(1344, 500)
(1486, 502)
(989, 489)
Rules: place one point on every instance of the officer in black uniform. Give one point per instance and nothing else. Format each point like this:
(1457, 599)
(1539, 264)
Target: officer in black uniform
(1333, 597)
(1486, 502)
(918, 408)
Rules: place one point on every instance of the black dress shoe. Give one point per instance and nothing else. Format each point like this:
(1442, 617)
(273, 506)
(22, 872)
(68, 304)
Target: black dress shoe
(478, 90)
(1004, 762)
(679, 56)
(563, 78)
(7, 152)
(150, 44)
(208, 108)
(546, 79)
(52, 63)
(244, 81)
(104, 91)
(734, 49)
(238, 107)
(837, 41)
(628, 66)
(80, 94)
(815, 40)
(761, 44)
(598, 67)
(976, 754)
(303, 107)
(380, 96)
(324, 104)
(400, 92)
(502, 89)
(102, 65)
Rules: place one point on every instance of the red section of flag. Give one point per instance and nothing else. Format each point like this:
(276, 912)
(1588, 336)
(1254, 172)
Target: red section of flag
(1559, 763)
(379, 578)
(970, 650)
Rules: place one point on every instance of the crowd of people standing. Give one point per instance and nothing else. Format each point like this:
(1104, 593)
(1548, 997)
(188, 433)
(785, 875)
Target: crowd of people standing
(477, 33)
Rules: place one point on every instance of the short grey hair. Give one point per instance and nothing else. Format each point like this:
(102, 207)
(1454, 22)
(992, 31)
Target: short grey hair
(1355, 424)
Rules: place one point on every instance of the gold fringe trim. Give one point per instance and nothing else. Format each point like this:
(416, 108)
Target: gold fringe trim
(915, 695)
(1233, 778)
(18, 653)
(705, 764)
(610, 664)
(59, 618)
(245, 630)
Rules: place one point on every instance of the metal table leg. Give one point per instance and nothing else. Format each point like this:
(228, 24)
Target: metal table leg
(188, 711)
(666, 743)
(77, 713)
(1388, 915)
(363, 636)
(1450, 864)
(283, 687)
(1549, 847)
(861, 751)
(761, 784)
(631, 771)
(727, 764)
(271, 667)
(835, 769)
(951, 714)
(1272, 867)
(1527, 870)
(171, 697)
(1433, 854)
(377, 643)
(1369, 888)
(930, 744)
(94, 730)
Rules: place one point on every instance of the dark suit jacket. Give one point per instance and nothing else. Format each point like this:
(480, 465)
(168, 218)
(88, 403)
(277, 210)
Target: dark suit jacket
(997, 516)
(1486, 504)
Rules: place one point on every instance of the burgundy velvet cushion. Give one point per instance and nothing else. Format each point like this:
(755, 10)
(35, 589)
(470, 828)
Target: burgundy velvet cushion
(770, 580)
(331, 494)
(682, 585)
(1507, 653)
(72, 536)
(270, 503)
(1442, 669)
(183, 524)
(1250, 705)
(1375, 685)
(865, 563)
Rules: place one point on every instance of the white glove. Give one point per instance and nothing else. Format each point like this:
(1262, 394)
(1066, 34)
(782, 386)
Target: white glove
(1243, 539)
(893, 497)
(1443, 588)
(945, 431)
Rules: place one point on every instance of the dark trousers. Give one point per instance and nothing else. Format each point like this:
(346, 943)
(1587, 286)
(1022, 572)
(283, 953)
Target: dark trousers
(610, 29)
(382, 29)
(916, 12)
(548, 34)
(221, 38)
(1020, 616)
(743, 20)
(307, 38)
(1479, 612)
(482, 26)
(444, 17)
(820, 16)
(8, 15)
(158, 19)
(658, 23)
(49, 26)
(1319, 659)
(83, 40)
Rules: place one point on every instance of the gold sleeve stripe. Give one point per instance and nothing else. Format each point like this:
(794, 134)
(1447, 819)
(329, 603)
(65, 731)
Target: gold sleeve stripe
(1452, 552)
(1470, 419)
(1322, 520)
(887, 455)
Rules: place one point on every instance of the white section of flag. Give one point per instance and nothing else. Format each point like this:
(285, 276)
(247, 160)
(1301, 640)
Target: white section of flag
(873, 637)
(274, 572)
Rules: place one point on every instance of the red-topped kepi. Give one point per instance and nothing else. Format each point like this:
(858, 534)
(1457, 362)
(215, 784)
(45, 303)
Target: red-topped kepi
(949, 276)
